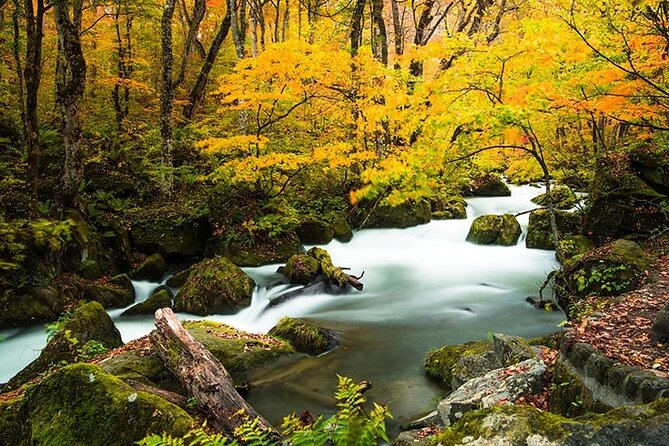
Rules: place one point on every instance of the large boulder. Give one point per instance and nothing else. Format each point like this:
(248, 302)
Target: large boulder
(33, 305)
(441, 364)
(342, 228)
(305, 336)
(490, 186)
(262, 250)
(153, 268)
(448, 208)
(562, 197)
(107, 294)
(169, 234)
(494, 230)
(215, 286)
(82, 404)
(404, 215)
(301, 269)
(315, 232)
(88, 329)
(609, 271)
(540, 233)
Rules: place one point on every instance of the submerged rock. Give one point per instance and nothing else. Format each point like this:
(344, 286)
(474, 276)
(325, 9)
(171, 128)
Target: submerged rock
(82, 404)
(89, 329)
(304, 336)
(215, 286)
(494, 230)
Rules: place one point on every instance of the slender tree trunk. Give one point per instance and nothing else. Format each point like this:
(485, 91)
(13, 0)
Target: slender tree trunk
(197, 92)
(426, 16)
(254, 29)
(70, 92)
(356, 26)
(239, 49)
(18, 65)
(199, 10)
(398, 33)
(166, 100)
(380, 36)
(277, 17)
(121, 90)
(286, 22)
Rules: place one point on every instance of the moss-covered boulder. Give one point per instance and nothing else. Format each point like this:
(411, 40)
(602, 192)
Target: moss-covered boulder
(494, 230)
(179, 278)
(169, 234)
(142, 364)
(82, 404)
(33, 305)
(491, 185)
(404, 215)
(342, 229)
(153, 268)
(448, 208)
(238, 351)
(315, 232)
(87, 330)
(107, 294)
(305, 336)
(660, 329)
(521, 425)
(160, 299)
(511, 349)
(215, 286)
(607, 271)
(561, 196)
(540, 233)
(262, 250)
(440, 364)
(573, 247)
(473, 363)
(301, 269)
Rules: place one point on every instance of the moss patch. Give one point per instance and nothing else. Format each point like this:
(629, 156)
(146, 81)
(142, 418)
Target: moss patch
(494, 230)
(304, 336)
(440, 363)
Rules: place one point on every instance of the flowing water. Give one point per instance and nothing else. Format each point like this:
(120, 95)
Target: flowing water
(424, 287)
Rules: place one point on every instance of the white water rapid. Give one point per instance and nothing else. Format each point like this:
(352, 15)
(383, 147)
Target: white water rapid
(424, 287)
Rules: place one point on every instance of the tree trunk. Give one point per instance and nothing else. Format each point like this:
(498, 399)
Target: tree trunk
(398, 32)
(197, 92)
(121, 90)
(380, 36)
(416, 66)
(70, 92)
(202, 375)
(356, 26)
(166, 100)
(286, 22)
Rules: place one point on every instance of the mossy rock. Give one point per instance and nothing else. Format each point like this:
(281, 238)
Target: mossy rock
(153, 268)
(262, 250)
(573, 247)
(472, 364)
(440, 364)
(179, 278)
(88, 322)
(14, 428)
(160, 299)
(82, 404)
(520, 425)
(107, 294)
(540, 233)
(342, 229)
(239, 352)
(305, 336)
(215, 286)
(494, 230)
(448, 208)
(607, 271)
(171, 234)
(124, 282)
(315, 232)
(562, 196)
(490, 186)
(143, 365)
(404, 215)
(301, 269)
(511, 349)
(33, 305)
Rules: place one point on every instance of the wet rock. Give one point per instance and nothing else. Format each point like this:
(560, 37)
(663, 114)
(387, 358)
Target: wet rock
(440, 364)
(160, 299)
(540, 233)
(87, 328)
(472, 365)
(152, 269)
(107, 294)
(490, 186)
(263, 250)
(215, 286)
(494, 230)
(511, 349)
(305, 336)
(342, 229)
(448, 208)
(404, 215)
(33, 305)
(315, 232)
(179, 278)
(301, 269)
(561, 196)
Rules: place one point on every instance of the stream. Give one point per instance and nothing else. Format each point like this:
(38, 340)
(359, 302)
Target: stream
(424, 287)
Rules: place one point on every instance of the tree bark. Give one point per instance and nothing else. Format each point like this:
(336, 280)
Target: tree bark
(166, 100)
(380, 36)
(398, 32)
(202, 375)
(121, 90)
(69, 92)
(356, 26)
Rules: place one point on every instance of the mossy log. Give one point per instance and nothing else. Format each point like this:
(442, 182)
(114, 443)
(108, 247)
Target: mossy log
(334, 273)
(202, 375)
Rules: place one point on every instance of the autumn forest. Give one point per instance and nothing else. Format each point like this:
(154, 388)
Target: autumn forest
(176, 142)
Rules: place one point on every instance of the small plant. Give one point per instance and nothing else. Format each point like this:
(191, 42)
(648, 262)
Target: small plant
(91, 349)
(54, 327)
(607, 280)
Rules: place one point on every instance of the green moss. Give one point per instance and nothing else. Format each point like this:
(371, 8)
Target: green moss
(447, 207)
(491, 185)
(239, 352)
(494, 229)
(573, 247)
(160, 299)
(404, 215)
(169, 232)
(540, 233)
(14, 430)
(215, 286)
(262, 250)
(152, 269)
(82, 404)
(440, 363)
(342, 229)
(562, 196)
(143, 366)
(315, 232)
(301, 269)
(304, 336)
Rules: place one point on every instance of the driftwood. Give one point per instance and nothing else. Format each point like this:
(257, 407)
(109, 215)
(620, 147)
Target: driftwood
(335, 273)
(203, 376)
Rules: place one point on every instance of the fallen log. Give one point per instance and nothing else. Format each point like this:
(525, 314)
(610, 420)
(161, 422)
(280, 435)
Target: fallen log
(203, 376)
(334, 273)
(172, 397)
